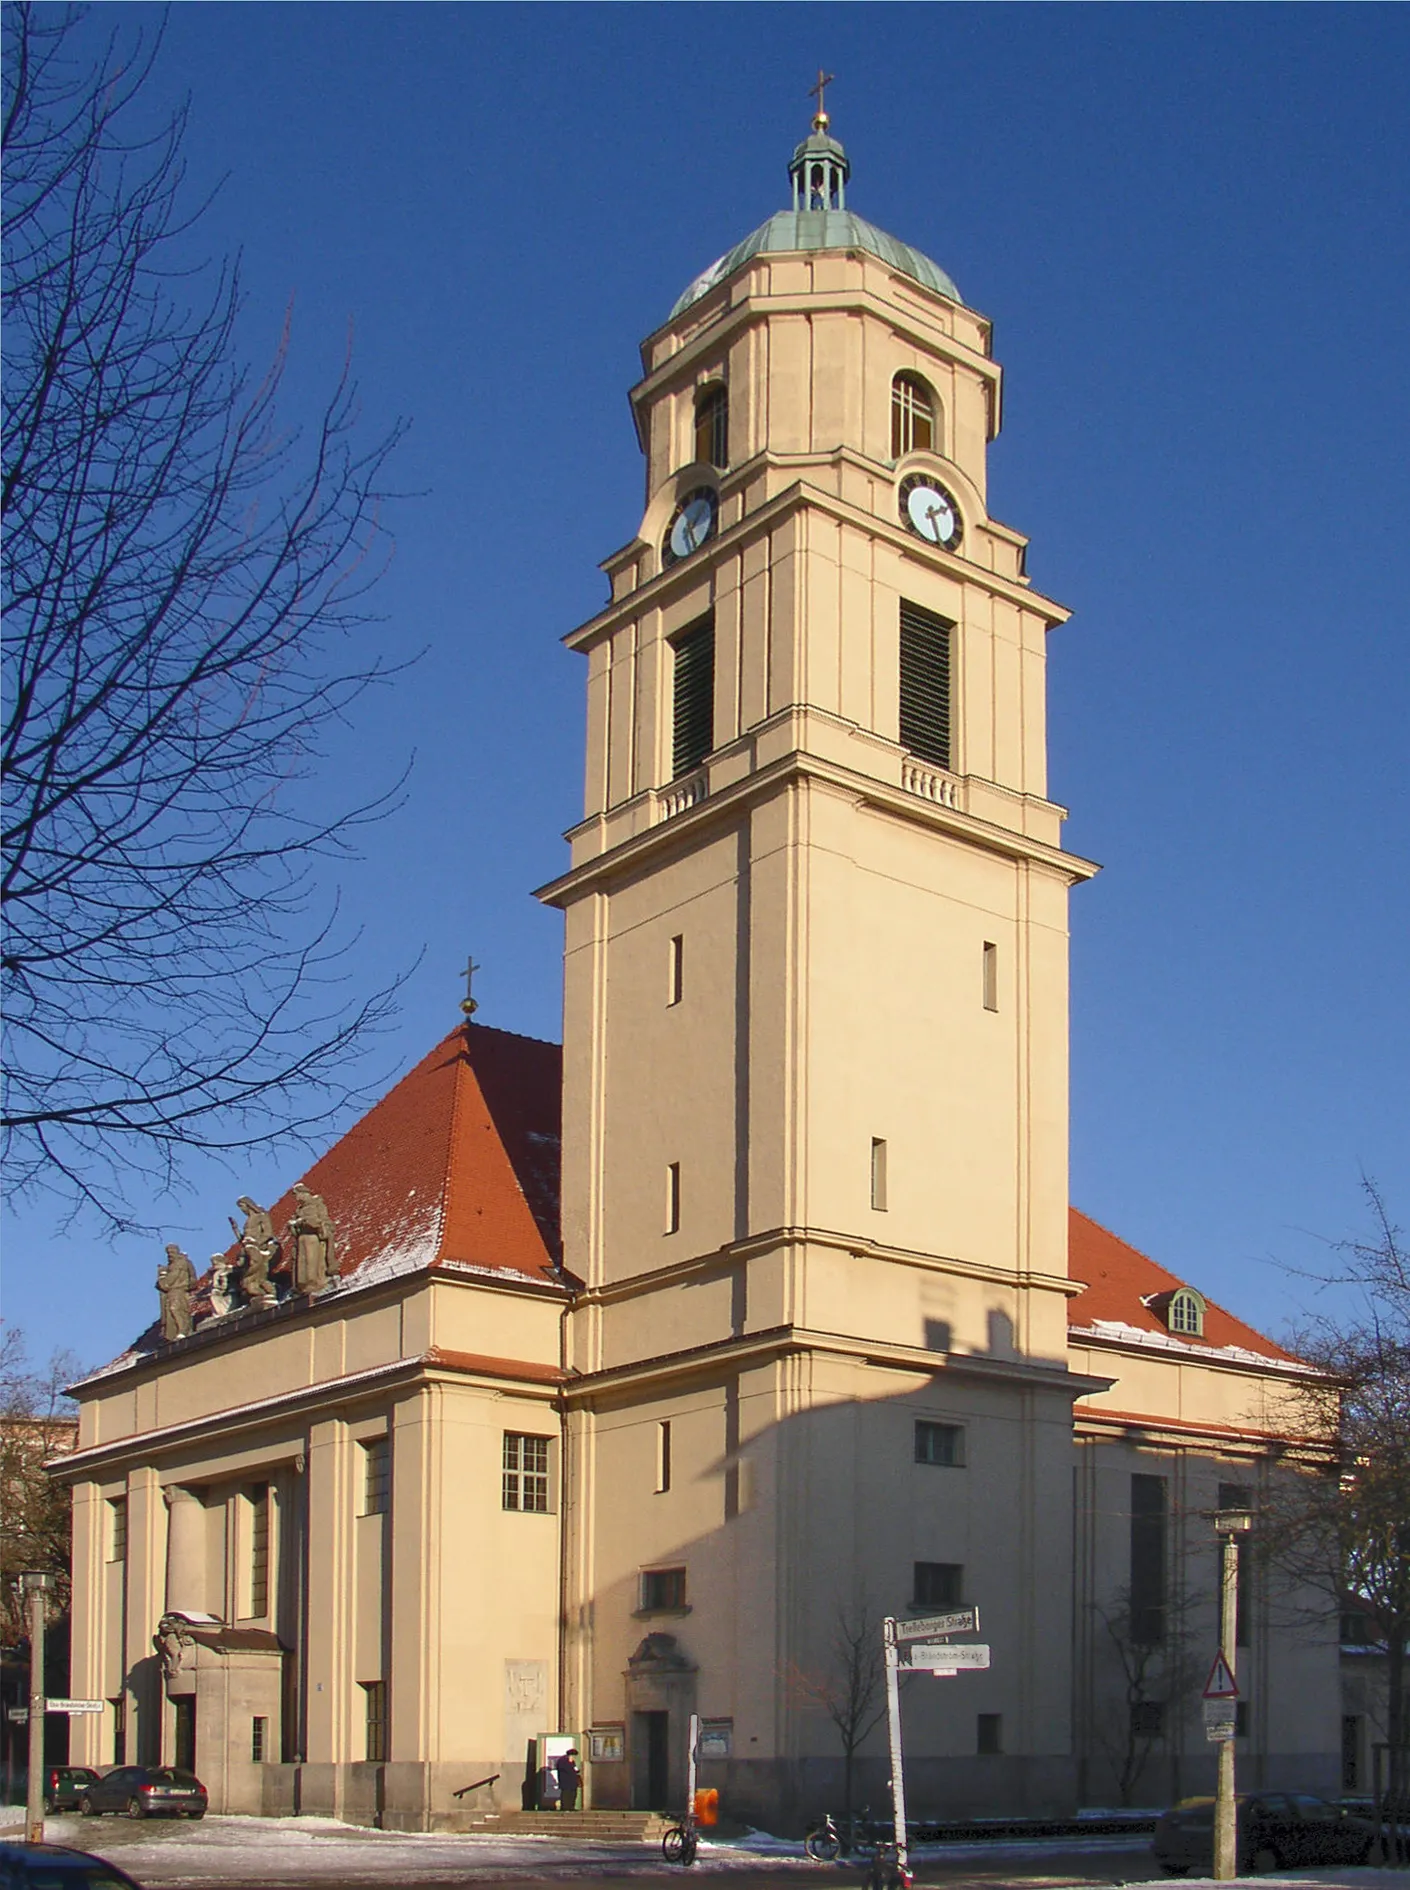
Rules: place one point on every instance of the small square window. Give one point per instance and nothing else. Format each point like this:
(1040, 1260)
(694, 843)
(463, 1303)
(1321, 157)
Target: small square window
(662, 1590)
(938, 1585)
(376, 1476)
(939, 1443)
(989, 1734)
(525, 1482)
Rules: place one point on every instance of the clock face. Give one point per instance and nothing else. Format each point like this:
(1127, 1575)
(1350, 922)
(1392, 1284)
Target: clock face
(930, 511)
(692, 523)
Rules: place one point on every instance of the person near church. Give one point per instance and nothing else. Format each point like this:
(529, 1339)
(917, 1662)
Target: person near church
(547, 1793)
(570, 1779)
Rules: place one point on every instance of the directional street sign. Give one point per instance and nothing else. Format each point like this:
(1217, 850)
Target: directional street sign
(1221, 1684)
(947, 1656)
(928, 1627)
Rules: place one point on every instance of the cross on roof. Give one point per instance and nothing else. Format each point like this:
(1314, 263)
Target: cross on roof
(468, 1003)
(818, 92)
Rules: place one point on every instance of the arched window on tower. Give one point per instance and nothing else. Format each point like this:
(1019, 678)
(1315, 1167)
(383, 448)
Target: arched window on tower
(913, 428)
(712, 425)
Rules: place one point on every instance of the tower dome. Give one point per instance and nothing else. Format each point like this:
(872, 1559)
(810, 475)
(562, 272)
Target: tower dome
(819, 219)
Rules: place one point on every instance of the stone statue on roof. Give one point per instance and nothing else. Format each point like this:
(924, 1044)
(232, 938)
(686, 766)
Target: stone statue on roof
(225, 1286)
(315, 1240)
(176, 1281)
(259, 1244)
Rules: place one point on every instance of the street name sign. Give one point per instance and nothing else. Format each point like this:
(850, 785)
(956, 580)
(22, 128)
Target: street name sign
(73, 1707)
(927, 1627)
(17, 1715)
(947, 1656)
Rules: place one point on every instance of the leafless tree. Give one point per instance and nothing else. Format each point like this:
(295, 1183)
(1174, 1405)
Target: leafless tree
(1342, 1530)
(36, 1423)
(1153, 1679)
(850, 1688)
(176, 570)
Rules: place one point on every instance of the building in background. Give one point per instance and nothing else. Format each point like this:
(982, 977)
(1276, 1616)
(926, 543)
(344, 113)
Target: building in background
(794, 1326)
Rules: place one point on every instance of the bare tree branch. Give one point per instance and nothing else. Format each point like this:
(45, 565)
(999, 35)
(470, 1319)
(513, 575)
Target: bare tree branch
(175, 569)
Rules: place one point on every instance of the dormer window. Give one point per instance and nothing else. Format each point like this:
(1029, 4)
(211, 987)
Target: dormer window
(912, 416)
(712, 426)
(1184, 1313)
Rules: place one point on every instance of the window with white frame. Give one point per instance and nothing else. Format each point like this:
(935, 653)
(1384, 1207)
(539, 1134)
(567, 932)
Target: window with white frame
(525, 1481)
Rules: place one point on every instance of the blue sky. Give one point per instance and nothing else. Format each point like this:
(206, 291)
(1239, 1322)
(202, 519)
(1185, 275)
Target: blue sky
(1189, 227)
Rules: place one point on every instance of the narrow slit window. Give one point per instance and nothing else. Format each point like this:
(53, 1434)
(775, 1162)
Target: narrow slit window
(692, 696)
(991, 976)
(663, 1456)
(712, 426)
(376, 1476)
(990, 1734)
(675, 970)
(925, 685)
(378, 1742)
(259, 1732)
(259, 1551)
(673, 1197)
(117, 1529)
(912, 416)
(878, 1173)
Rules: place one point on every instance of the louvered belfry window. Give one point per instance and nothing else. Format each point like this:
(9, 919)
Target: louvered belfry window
(925, 684)
(693, 696)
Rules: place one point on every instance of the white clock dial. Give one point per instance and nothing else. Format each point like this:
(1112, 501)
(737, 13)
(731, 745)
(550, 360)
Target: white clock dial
(693, 523)
(931, 514)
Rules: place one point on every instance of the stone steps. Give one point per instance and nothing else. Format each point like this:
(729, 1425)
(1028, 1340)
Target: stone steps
(609, 1827)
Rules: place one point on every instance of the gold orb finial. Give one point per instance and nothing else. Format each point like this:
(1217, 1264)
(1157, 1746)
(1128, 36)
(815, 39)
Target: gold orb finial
(821, 121)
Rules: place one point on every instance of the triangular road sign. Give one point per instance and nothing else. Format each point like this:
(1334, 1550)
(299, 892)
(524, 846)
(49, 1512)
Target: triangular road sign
(1221, 1684)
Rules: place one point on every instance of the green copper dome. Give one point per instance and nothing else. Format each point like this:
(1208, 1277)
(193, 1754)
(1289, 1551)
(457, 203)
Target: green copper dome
(820, 219)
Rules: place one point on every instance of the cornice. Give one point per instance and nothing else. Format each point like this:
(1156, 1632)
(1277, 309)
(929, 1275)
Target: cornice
(235, 1420)
(727, 802)
(682, 576)
(1097, 1422)
(781, 1341)
(1205, 1357)
(769, 1240)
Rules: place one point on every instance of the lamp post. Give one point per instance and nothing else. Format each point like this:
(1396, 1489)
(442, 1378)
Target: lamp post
(37, 1585)
(1230, 1526)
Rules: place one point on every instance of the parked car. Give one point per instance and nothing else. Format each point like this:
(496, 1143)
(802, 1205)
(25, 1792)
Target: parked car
(56, 1867)
(145, 1791)
(64, 1785)
(1275, 1830)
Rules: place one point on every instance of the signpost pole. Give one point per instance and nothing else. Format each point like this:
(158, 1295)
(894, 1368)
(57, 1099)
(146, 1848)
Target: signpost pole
(893, 1726)
(692, 1757)
(1229, 1525)
(37, 1586)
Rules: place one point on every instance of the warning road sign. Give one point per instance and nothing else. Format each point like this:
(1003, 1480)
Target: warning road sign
(1221, 1684)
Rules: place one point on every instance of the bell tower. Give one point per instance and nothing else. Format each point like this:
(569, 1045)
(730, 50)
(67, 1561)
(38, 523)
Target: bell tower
(815, 1009)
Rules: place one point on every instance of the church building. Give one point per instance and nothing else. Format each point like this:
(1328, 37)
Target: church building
(579, 1392)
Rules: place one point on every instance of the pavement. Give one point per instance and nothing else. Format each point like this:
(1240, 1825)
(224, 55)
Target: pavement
(232, 1853)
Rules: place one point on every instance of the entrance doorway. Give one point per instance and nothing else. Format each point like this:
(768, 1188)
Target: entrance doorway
(185, 1732)
(651, 1741)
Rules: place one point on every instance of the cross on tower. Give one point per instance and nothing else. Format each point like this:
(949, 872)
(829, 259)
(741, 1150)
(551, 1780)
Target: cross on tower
(818, 92)
(467, 1003)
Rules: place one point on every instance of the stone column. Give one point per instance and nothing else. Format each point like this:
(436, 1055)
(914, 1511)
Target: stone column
(185, 1551)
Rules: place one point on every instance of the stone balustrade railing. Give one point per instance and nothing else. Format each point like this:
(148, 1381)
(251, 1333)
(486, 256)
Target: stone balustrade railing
(932, 784)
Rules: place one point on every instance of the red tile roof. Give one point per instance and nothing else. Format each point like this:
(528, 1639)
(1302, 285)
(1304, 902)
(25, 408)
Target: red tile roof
(1119, 1279)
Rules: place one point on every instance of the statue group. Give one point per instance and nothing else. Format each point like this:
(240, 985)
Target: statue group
(250, 1278)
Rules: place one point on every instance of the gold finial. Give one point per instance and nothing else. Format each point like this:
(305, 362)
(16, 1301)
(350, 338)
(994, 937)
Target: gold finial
(467, 1003)
(818, 91)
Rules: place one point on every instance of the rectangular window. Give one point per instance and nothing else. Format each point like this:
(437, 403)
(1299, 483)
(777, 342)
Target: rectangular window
(259, 1734)
(119, 1706)
(925, 684)
(878, 1174)
(990, 1739)
(938, 1584)
(1240, 1496)
(376, 1476)
(526, 1472)
(377, 1740)
(117, 1529)
(1357, 1630)
(692, 696)
(1147, 1560)
(673, 1197)
(1350, 1751)
(259, 1551)
(1241, 1719)
(675, 971)
(663, 1456)
(991, 976)
(939, 1443)
(184, 1741)
(662, 1589)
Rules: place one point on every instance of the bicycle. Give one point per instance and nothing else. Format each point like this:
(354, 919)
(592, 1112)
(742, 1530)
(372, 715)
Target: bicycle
(825, 1841)
(886, 1872)
(681, 1841)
